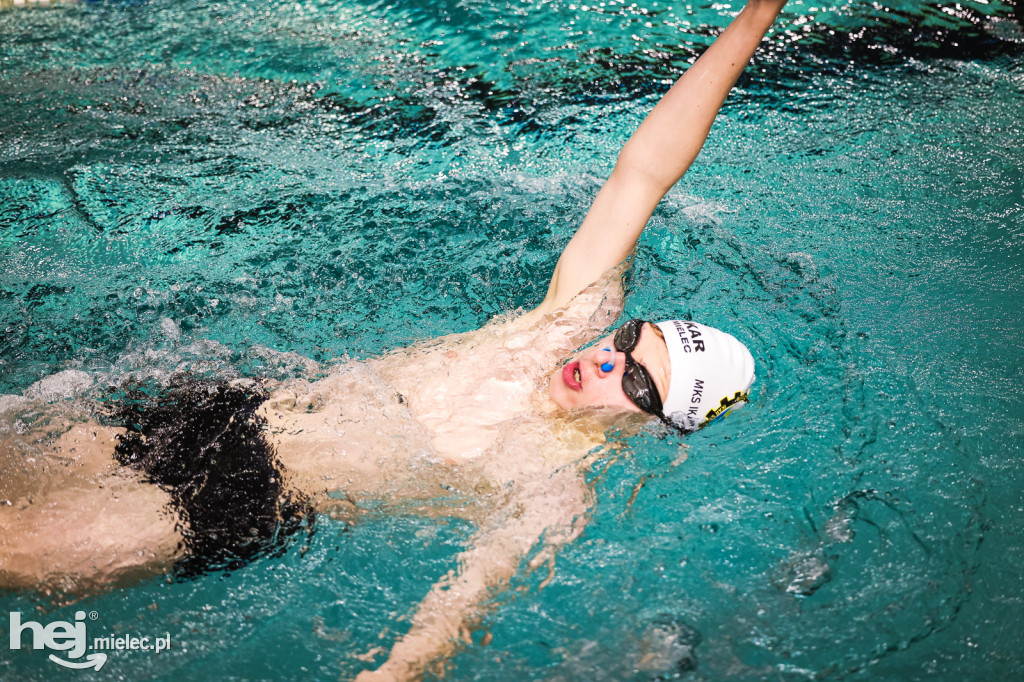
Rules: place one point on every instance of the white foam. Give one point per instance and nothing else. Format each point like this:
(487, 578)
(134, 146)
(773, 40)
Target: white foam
(12, 403)
(169, 328)
(285, 363)
(706, 212)
(67, 384)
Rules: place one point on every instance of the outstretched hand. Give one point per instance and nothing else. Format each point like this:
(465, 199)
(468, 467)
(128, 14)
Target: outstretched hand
(540, 515)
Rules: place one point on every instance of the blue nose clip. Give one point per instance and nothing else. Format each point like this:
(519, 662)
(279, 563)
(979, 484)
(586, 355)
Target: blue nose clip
(608, 366)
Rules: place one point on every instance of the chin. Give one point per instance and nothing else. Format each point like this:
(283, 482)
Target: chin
(557, 391)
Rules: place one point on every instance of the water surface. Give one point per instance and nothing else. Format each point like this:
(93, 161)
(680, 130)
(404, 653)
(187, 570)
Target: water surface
(231, 188)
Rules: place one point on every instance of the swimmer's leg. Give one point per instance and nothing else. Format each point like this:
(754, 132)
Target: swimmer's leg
(84, 523)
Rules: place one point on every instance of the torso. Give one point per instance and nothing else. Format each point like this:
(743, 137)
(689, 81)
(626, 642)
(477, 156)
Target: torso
(462, 411)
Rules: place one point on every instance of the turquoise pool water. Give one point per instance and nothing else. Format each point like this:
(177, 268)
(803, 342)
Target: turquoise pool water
(226, 187)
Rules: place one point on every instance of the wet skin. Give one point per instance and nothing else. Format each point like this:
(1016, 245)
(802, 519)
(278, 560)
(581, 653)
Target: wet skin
(582, 382)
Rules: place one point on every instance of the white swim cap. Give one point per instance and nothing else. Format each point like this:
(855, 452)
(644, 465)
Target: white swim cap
(711, 372)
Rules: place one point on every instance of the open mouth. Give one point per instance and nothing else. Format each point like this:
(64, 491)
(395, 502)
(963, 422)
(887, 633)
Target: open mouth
(572, 377)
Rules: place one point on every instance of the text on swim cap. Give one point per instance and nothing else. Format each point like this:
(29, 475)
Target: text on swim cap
(698, 393)
(689, 332)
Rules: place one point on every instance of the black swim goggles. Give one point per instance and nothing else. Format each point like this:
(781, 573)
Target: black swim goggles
(637, 383)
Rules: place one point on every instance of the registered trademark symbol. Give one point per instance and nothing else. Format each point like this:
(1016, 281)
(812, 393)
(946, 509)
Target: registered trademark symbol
(93, 615)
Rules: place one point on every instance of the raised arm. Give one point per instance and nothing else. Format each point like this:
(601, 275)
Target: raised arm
(657, 156)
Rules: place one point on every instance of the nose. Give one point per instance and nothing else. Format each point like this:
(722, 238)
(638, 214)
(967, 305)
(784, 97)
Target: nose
(607, 360)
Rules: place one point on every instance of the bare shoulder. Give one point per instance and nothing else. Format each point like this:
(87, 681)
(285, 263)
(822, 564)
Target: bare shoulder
(557, 328)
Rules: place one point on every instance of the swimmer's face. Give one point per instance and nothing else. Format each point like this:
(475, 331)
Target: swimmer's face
(582, 382)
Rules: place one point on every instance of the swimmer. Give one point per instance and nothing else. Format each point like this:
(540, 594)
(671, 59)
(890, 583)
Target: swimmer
(496, 423)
